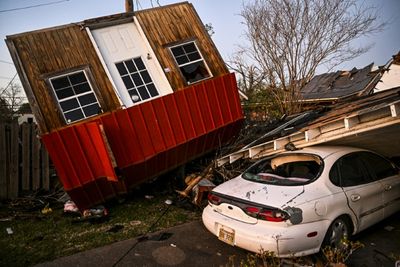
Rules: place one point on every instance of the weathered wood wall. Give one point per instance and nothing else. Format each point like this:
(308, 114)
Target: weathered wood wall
(24, 162)
(45, 53)
(174, 24)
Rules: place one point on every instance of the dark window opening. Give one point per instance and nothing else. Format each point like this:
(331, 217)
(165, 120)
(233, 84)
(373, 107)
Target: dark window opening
(190, 62)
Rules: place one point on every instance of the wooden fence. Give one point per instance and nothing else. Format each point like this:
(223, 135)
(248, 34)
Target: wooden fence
(24, 162)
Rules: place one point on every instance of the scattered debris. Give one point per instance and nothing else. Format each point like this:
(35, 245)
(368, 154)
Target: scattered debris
(115, 228)
(148, 197)
(47, 209)
(70, 207)
(135, 223)
(9, 231)
(389, 228)
(173, 245)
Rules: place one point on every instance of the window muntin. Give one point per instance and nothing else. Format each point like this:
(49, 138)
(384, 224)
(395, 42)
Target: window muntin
(137, 79)
(285, 170)
(75, 96)
(190, 62)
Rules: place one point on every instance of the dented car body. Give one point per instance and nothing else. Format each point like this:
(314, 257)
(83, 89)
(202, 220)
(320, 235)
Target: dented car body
(295, 202)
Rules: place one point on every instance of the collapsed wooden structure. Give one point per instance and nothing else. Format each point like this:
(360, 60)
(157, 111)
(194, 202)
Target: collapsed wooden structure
(123, 98)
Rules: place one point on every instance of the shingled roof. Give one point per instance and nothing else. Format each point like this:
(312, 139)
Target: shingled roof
(339, 84)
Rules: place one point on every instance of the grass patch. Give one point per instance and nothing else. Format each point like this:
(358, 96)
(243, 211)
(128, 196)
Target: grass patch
(38, 238)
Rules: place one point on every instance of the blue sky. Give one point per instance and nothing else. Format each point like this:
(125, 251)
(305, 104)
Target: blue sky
(222, 14)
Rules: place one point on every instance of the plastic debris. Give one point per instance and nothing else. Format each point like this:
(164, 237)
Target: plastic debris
(168, 202)
(70, 207)
(95, 212)
(173, 245)
(148, 197)
(9, 231)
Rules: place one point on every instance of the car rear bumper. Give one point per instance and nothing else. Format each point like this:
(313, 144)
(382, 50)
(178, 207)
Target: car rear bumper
(285, 240)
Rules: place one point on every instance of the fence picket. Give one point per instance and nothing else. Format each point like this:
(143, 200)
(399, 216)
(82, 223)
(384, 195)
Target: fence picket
(24, 162)
(3, 162)
(14, 162)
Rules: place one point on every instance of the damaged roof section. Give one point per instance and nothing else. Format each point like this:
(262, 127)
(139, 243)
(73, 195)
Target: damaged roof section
(339, 84)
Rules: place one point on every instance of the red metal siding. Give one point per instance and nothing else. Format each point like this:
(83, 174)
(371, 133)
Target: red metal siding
(146, 140)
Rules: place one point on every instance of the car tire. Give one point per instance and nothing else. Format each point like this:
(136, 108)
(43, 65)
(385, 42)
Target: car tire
(338, 232)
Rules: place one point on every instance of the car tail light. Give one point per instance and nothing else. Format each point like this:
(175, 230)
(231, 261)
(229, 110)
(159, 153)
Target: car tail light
(267, 214)
(214, 199)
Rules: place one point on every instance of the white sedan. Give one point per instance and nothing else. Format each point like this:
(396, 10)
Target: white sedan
(296, 202)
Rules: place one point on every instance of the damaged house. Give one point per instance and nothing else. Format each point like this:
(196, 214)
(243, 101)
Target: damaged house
(123, 98)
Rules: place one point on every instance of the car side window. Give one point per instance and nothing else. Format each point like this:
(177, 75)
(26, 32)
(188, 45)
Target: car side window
(349, 171)
(378, 166)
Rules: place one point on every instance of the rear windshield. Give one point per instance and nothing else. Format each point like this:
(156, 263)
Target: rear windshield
(290, 169)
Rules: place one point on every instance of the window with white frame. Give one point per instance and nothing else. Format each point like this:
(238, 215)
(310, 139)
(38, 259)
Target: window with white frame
(190, 62)
(75, 96)
(137, 79)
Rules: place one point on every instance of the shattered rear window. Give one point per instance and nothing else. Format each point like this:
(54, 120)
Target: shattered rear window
(292, 169)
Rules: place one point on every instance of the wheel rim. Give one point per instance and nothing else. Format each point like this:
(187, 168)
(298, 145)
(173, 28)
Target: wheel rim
(339, 234)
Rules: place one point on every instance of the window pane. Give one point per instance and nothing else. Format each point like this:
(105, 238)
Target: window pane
(194, 72)
(81, 88)
(134, 96)
(74, 115)
(379, 166)
(87, 99)
(77, 78)
(190, 47)
(139, 64)
(351, 171)
(69, 104)
(146, 77)
(152, 90)
(131, 67)
(61, 94)
(177, 51)
(91, 110)
(182, 60)
(60, 83)
(128, 82)
(121, 68)
(143, 92)
(137, 80)
(194, 56)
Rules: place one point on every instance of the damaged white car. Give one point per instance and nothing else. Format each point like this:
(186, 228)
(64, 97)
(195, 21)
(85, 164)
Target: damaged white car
(294, 203)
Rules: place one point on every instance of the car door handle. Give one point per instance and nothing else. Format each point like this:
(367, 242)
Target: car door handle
(355, 197)
(388, 187)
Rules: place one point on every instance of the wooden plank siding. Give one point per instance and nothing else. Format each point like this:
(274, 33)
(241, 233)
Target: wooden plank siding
(174, 24)
(46, 53)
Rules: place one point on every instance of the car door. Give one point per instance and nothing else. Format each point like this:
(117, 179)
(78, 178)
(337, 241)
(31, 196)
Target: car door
(364, 195)
(388, 175)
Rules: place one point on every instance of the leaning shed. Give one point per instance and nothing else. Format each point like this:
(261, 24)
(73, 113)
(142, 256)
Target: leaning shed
(123, 98)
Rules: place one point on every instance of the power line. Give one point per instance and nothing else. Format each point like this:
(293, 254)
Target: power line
(6, 62)
(33, 6)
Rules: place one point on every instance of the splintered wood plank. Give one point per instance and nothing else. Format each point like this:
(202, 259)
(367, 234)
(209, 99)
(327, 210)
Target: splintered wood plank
(14, 162)
(26, 134)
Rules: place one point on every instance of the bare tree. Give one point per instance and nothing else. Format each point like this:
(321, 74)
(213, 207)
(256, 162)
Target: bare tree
(289, 39)
(10, 101)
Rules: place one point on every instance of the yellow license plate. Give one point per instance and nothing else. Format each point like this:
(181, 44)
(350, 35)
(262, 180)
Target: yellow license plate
(228, 236)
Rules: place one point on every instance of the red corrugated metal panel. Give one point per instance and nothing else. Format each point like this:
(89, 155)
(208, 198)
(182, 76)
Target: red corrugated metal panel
(146, 140)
